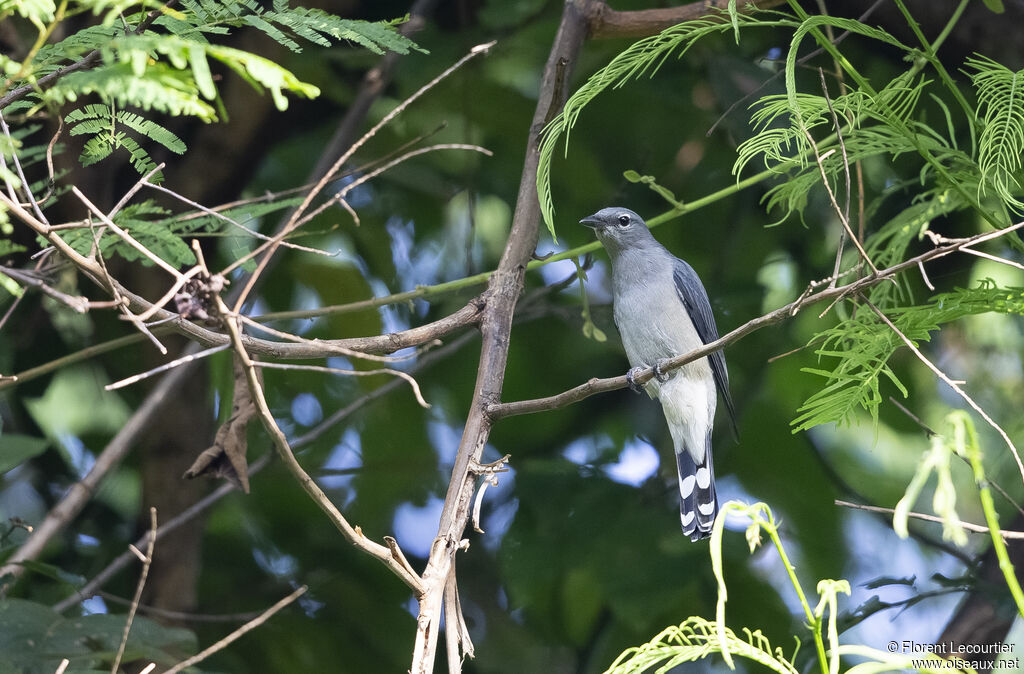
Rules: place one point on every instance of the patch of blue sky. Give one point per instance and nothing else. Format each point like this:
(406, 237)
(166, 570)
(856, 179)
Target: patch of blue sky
(275, 562)
(306, 409)
(638, 461)
(880, 553)
(79, 457)
(346, 456)
(415, 526)
(94, 605)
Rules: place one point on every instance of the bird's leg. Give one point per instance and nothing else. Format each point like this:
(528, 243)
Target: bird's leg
(658, 373)
(631, 379)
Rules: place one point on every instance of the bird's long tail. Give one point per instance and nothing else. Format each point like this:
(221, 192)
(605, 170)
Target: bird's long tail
(698, 502)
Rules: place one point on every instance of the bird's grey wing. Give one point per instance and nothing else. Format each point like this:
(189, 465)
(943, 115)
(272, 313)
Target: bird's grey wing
(693, 296)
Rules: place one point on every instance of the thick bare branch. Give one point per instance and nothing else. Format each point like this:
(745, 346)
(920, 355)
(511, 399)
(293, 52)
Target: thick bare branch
(501, 296)
(605, 22)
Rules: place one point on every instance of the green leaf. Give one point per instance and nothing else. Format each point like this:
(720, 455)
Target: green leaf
(39, 12)
(643, 57)
(159, 87)
(1001, 106)
(260, 71)
(73, 581)
(33, 638)
(16, 449)
(60, 410)
(863, 345)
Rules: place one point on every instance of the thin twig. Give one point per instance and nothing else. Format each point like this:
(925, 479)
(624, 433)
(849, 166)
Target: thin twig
(146, 562)
(21, 173)
(340, 195)
(144, 180)
(846, 164)
(927, 429)
(78, 304)
(976, 528)
(51, 175)
(994, 258)
(820, 161)
(128, 381)
(128, 238)
(231, 221)
(115, 290)
(268, 248)
(352, 534)
(240, 632)
(181, 616)
(351, 373)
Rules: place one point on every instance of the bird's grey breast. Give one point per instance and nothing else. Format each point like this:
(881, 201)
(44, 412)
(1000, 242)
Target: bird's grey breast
(652, 321)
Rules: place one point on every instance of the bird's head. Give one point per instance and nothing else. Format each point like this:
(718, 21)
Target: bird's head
(619, 229)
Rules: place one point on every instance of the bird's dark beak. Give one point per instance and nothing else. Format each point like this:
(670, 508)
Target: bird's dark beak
(592, 222)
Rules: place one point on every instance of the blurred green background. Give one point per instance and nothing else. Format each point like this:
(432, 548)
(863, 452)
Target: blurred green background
(582, 555)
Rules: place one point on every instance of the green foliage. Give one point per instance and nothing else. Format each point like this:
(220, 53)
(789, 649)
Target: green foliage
(862, 346)
(643, 57)
(100, 122)
(34, 639)
(936, 460)
(314, 25)
(18, 449)
(159, 87)
(165, 66)
(697, 638)
(39, 12)
(888, 121)
(1001, 107)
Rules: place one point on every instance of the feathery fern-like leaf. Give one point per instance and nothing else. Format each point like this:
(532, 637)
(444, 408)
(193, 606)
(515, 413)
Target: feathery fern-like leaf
(695, 639)
(159, 87)
(100, 122)
(1001, 147)
(863, 345)
(643, 57)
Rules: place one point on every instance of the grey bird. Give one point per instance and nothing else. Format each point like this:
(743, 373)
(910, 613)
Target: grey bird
(662, 310)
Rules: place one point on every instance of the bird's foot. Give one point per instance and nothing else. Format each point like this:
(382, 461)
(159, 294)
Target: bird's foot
(631, 379)
(658, 373)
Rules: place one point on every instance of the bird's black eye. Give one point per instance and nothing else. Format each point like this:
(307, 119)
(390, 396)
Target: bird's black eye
(623, 220)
